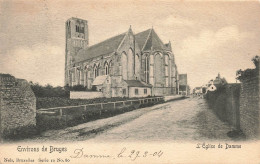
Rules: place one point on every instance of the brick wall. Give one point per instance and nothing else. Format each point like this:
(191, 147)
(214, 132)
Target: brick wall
(225, 103)
(239, 106)
(249, 107)
(17, 104)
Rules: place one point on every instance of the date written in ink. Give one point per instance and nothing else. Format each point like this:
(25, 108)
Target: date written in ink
(134, 154)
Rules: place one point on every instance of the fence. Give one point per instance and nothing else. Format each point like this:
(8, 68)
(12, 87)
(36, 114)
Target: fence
(60, 111)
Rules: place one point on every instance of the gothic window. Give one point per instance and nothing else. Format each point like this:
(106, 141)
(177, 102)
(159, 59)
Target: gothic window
(130, 62)
(166, 71)
(110, 67)
(95, 71)
(124, 65)
(137, 64)
(166, 58)
(151, 80)
(78, 76)
(81, 30)
(151, 59)
(146, 69)
(106, 69)
(86, 79)
(159, 68)
(77, 28)
(151, 70)
(72, 76)
(167, 82)
(98, 70)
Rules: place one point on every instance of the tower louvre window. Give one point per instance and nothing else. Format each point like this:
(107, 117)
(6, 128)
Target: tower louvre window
(77, 28)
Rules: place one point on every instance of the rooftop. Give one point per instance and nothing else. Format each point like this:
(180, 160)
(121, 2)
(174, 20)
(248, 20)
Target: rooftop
(146, 40)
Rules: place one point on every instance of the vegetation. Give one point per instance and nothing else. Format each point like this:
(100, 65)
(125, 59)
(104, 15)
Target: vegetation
(49, 97)
(50, 91)
(249, 73)
(72, 116)
(51, 102)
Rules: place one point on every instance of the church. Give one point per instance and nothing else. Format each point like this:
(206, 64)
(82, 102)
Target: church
(126, 65)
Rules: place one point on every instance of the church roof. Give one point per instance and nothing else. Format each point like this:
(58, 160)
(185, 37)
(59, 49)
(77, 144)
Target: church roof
(146, 40)
(149, 39)
(99, 80)
(108, 46)
(141, 38)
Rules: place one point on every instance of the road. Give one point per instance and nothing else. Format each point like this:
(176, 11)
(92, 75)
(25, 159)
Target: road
(188, 119)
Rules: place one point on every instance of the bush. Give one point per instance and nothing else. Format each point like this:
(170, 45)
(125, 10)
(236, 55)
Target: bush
(48, 90)
(248, 73)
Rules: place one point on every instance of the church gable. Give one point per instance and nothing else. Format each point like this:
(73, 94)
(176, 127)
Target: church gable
(141, 38)
(149, 39)
(127, 42)
(154, 42)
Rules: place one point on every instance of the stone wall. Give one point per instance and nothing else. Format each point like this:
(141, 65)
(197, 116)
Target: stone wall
(249, 107)
(163, 91)
(17, 104)
(239, 105)
(225, 103)
(85, 95)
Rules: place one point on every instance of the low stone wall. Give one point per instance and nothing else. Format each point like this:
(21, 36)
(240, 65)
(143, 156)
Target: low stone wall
(85, 95)
(17, 105)
(162, 91)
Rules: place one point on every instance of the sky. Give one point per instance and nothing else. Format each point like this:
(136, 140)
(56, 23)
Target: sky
(207, 37)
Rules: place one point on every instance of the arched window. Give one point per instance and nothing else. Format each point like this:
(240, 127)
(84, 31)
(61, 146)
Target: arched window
(151, 70)
(110, 67)
(130, 62)
(137, 64)
(70, 78)
(124, 65)
(166, 61)
(78, 74)
(159, 67)
(106, 69)
(151, 59)
(77, 28)
(146, 69)
(95, 71)
(81, 30)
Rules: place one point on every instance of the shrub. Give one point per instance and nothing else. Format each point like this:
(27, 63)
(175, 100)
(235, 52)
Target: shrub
(248, 73)
(48, 90)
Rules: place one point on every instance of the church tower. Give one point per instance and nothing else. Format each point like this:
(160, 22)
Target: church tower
(76, 38)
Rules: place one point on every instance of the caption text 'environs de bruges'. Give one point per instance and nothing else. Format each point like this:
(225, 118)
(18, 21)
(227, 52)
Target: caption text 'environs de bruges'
(49, 149)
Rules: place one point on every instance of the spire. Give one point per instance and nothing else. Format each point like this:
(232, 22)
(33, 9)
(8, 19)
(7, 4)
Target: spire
(130, 29)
